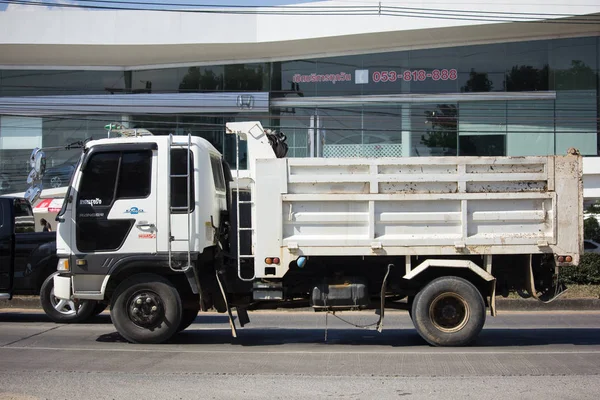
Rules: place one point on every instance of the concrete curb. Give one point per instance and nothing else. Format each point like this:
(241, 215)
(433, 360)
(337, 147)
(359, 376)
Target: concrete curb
(28, 302)
(559, 304)
(33, 303)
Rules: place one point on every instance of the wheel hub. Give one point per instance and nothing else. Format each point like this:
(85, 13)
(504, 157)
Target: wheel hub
(449, 312)
(66, 307)
(145, 309)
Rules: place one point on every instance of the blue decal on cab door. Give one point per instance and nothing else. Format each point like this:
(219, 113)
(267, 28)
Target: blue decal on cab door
(134, 211)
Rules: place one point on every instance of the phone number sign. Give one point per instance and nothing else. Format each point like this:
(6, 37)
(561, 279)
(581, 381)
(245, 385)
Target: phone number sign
(407, 75)
(415, 75)
(363, 76)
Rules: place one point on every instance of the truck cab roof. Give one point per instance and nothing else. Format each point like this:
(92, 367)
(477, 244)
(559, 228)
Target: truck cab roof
(159, 140)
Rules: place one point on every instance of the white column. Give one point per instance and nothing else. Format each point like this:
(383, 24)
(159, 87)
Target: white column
(406, 128)
(406, 123)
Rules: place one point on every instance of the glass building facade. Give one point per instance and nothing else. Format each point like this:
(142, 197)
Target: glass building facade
(519, 98)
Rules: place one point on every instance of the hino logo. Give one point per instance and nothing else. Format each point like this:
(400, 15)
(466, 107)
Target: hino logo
(91, 202)
(245, 101)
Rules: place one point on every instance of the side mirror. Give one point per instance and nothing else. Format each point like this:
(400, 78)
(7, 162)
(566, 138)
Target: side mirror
(33, 194)
(37, 161)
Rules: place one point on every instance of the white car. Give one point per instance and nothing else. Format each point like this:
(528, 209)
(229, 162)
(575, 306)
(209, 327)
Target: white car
(589, 246)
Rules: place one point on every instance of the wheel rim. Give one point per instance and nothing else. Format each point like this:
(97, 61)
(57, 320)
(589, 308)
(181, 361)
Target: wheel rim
(449, 312)
(145, 309)
(65, 307)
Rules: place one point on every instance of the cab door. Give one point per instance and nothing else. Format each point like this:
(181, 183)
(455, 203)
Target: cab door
(115, 208)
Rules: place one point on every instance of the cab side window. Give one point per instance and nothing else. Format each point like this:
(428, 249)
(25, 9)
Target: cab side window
(179, 180)
(135, 175)
(217, 171)
(99, 179)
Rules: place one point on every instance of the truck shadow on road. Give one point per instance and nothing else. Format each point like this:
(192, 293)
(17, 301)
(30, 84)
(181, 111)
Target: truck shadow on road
(20, 316)
(391, 337)
(104, 318)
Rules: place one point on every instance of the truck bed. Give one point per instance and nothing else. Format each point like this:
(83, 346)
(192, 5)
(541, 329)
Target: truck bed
(417, 206)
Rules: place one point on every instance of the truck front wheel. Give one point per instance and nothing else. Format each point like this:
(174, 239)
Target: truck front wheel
(449, 311)
(146, 308)
(64, 311)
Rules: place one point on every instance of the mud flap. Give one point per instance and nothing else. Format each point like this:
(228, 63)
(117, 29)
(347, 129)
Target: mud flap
(492, 303)
(231, 323)
(382, 297)
(548, 294)
(242, 315)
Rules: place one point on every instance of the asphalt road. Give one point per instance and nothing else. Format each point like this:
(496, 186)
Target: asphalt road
(520, 355)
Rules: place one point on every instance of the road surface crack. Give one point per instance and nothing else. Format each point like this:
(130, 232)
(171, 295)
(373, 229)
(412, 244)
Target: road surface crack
(29, 337)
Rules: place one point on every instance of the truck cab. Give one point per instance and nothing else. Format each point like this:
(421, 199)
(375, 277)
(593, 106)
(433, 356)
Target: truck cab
(113, 220)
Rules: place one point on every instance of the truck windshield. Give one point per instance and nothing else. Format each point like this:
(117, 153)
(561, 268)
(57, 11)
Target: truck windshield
(67, 198)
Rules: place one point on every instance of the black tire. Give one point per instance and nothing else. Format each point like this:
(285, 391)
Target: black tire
(60, 311)
(449, 311)
(133, 313)
(410, 300)
(188, 317)
(99, 308)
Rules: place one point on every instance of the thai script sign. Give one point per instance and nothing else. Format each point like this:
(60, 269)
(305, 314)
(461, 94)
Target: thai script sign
(313, 78)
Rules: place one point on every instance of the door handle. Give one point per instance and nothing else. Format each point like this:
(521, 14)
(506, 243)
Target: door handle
(145, 225)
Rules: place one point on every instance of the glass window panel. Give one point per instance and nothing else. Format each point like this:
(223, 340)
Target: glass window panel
(49, 82)
(527, 66)
(246, 77)
(295, 124)
(574, 64)
(20, 133)
(393, 64)
(340, 131)
(158, 124)
(156, 80)
(64, 130)
(217, 172)
(530, 128)
(211, 128)
(135, 175)
(576, 121)
(336, 76)
(97, 185)
(478, 145)
(482, 118)
(433, 71)
(179, 185)
(295, 80)
(201, 79)
(482, 68)
(434, 130)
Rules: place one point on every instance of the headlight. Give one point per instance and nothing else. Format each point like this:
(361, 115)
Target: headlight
(63, 265)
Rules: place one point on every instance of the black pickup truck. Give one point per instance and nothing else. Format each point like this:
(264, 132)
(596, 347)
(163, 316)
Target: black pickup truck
(28, 263)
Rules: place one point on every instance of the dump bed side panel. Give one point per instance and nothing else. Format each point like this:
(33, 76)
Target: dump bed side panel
(424, 206)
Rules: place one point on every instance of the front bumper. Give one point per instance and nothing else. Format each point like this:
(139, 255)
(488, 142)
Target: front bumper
(62, 287)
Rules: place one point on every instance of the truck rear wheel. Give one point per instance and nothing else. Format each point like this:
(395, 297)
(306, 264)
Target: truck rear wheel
(449, 311)
(188, 317)
(64, 311)
(146, 308)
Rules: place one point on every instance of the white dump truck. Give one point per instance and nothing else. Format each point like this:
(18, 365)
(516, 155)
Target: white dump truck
(160, 228)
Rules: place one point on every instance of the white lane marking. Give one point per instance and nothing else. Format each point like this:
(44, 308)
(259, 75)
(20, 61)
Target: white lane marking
(341, 351)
